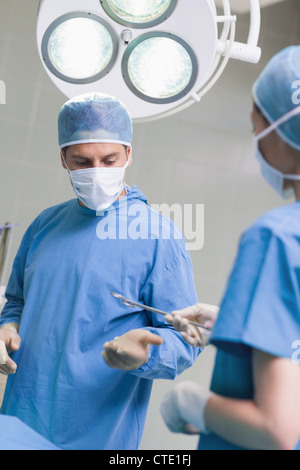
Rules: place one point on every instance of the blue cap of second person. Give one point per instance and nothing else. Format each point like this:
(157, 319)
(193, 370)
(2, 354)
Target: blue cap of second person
(274, 90)
(94, 117)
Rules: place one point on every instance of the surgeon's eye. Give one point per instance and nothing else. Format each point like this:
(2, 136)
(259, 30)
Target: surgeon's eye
(109, 162)
(82, 164)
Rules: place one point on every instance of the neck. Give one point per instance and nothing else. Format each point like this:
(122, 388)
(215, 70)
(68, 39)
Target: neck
(123, 193)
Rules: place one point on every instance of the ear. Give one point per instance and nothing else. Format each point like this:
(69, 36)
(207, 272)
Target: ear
(62, 159)
(129, 155)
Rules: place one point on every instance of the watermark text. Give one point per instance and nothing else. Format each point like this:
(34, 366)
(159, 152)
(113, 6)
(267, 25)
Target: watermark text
(162, 221)
(296, 353)
(296, 93)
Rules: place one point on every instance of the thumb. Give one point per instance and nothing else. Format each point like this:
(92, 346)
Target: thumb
(15, 343)
(151, 338)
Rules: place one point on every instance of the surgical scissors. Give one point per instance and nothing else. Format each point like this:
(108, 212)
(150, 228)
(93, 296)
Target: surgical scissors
(131, 303)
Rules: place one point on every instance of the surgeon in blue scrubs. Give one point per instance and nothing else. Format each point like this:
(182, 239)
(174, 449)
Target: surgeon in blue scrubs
(253, 401)
(82, 363)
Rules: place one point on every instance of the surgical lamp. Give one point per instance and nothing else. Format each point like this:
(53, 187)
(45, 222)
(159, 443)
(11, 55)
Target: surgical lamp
(157, 56)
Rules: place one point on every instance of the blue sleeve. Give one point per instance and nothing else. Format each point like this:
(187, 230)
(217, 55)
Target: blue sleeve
(260, 308)
(170, 288)
(13, 308)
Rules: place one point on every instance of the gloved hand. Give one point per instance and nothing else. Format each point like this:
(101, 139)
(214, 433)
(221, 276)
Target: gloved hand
(9, 341)
(183, 408)
(204, 314)
(130, 351)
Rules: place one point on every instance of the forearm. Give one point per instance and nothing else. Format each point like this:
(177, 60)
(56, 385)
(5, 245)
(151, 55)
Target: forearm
(240, 422)
(12, 311)
(10, 316)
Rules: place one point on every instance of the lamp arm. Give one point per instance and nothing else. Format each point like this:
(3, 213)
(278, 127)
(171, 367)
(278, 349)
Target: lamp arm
(255, 23)
(250, 52)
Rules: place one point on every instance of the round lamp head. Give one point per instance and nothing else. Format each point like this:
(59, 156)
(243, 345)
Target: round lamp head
(159, 67)
(139, 14)
(79, 47)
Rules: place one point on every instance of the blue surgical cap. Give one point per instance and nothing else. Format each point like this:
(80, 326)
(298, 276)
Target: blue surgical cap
(274, 92)
(94, 117)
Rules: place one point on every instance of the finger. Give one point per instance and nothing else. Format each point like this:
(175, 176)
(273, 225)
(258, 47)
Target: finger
(111, 360)
(209, 323)
(199, 312)
(15, 343)
(181, 324)
(8, 367)
(116, 363)
(195, 342)
(106, 359)
(208, 314)
(189, 311)
(120, 359)
(7, 364)
(169, 318)
(191, 314)
(151, 338)
(110, 345)
(116, 352)
(189, 333)
(198, 333)
(4, 370)
(189, 339)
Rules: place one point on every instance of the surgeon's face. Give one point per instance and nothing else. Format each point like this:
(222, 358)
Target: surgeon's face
(275, 151)
(95, 155)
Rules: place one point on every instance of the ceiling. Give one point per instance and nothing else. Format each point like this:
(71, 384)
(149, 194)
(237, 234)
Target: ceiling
(242, 6)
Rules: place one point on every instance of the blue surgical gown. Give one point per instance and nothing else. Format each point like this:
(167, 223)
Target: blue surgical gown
(15, 435)
(69, 262)
(260, 308)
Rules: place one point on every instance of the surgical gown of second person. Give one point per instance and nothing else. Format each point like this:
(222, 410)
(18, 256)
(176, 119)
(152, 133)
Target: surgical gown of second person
(260, 309)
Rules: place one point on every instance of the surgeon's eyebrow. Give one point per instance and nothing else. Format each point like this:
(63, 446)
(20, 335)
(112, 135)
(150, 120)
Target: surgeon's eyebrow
(103, 157)
(82, 157)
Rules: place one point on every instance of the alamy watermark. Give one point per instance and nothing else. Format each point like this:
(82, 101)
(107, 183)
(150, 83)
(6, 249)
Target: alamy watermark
(296, 93)
(136, 221)
(296, 353)
(2, 92)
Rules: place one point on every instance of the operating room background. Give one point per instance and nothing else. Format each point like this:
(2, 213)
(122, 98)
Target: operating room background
(203, 155)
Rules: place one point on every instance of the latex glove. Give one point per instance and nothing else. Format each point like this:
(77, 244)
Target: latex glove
(131, 350)
(183, 408)
(204, 314)
(9, 341)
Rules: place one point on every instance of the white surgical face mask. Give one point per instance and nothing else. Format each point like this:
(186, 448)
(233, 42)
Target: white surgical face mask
(98, 188)
(274, 177)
